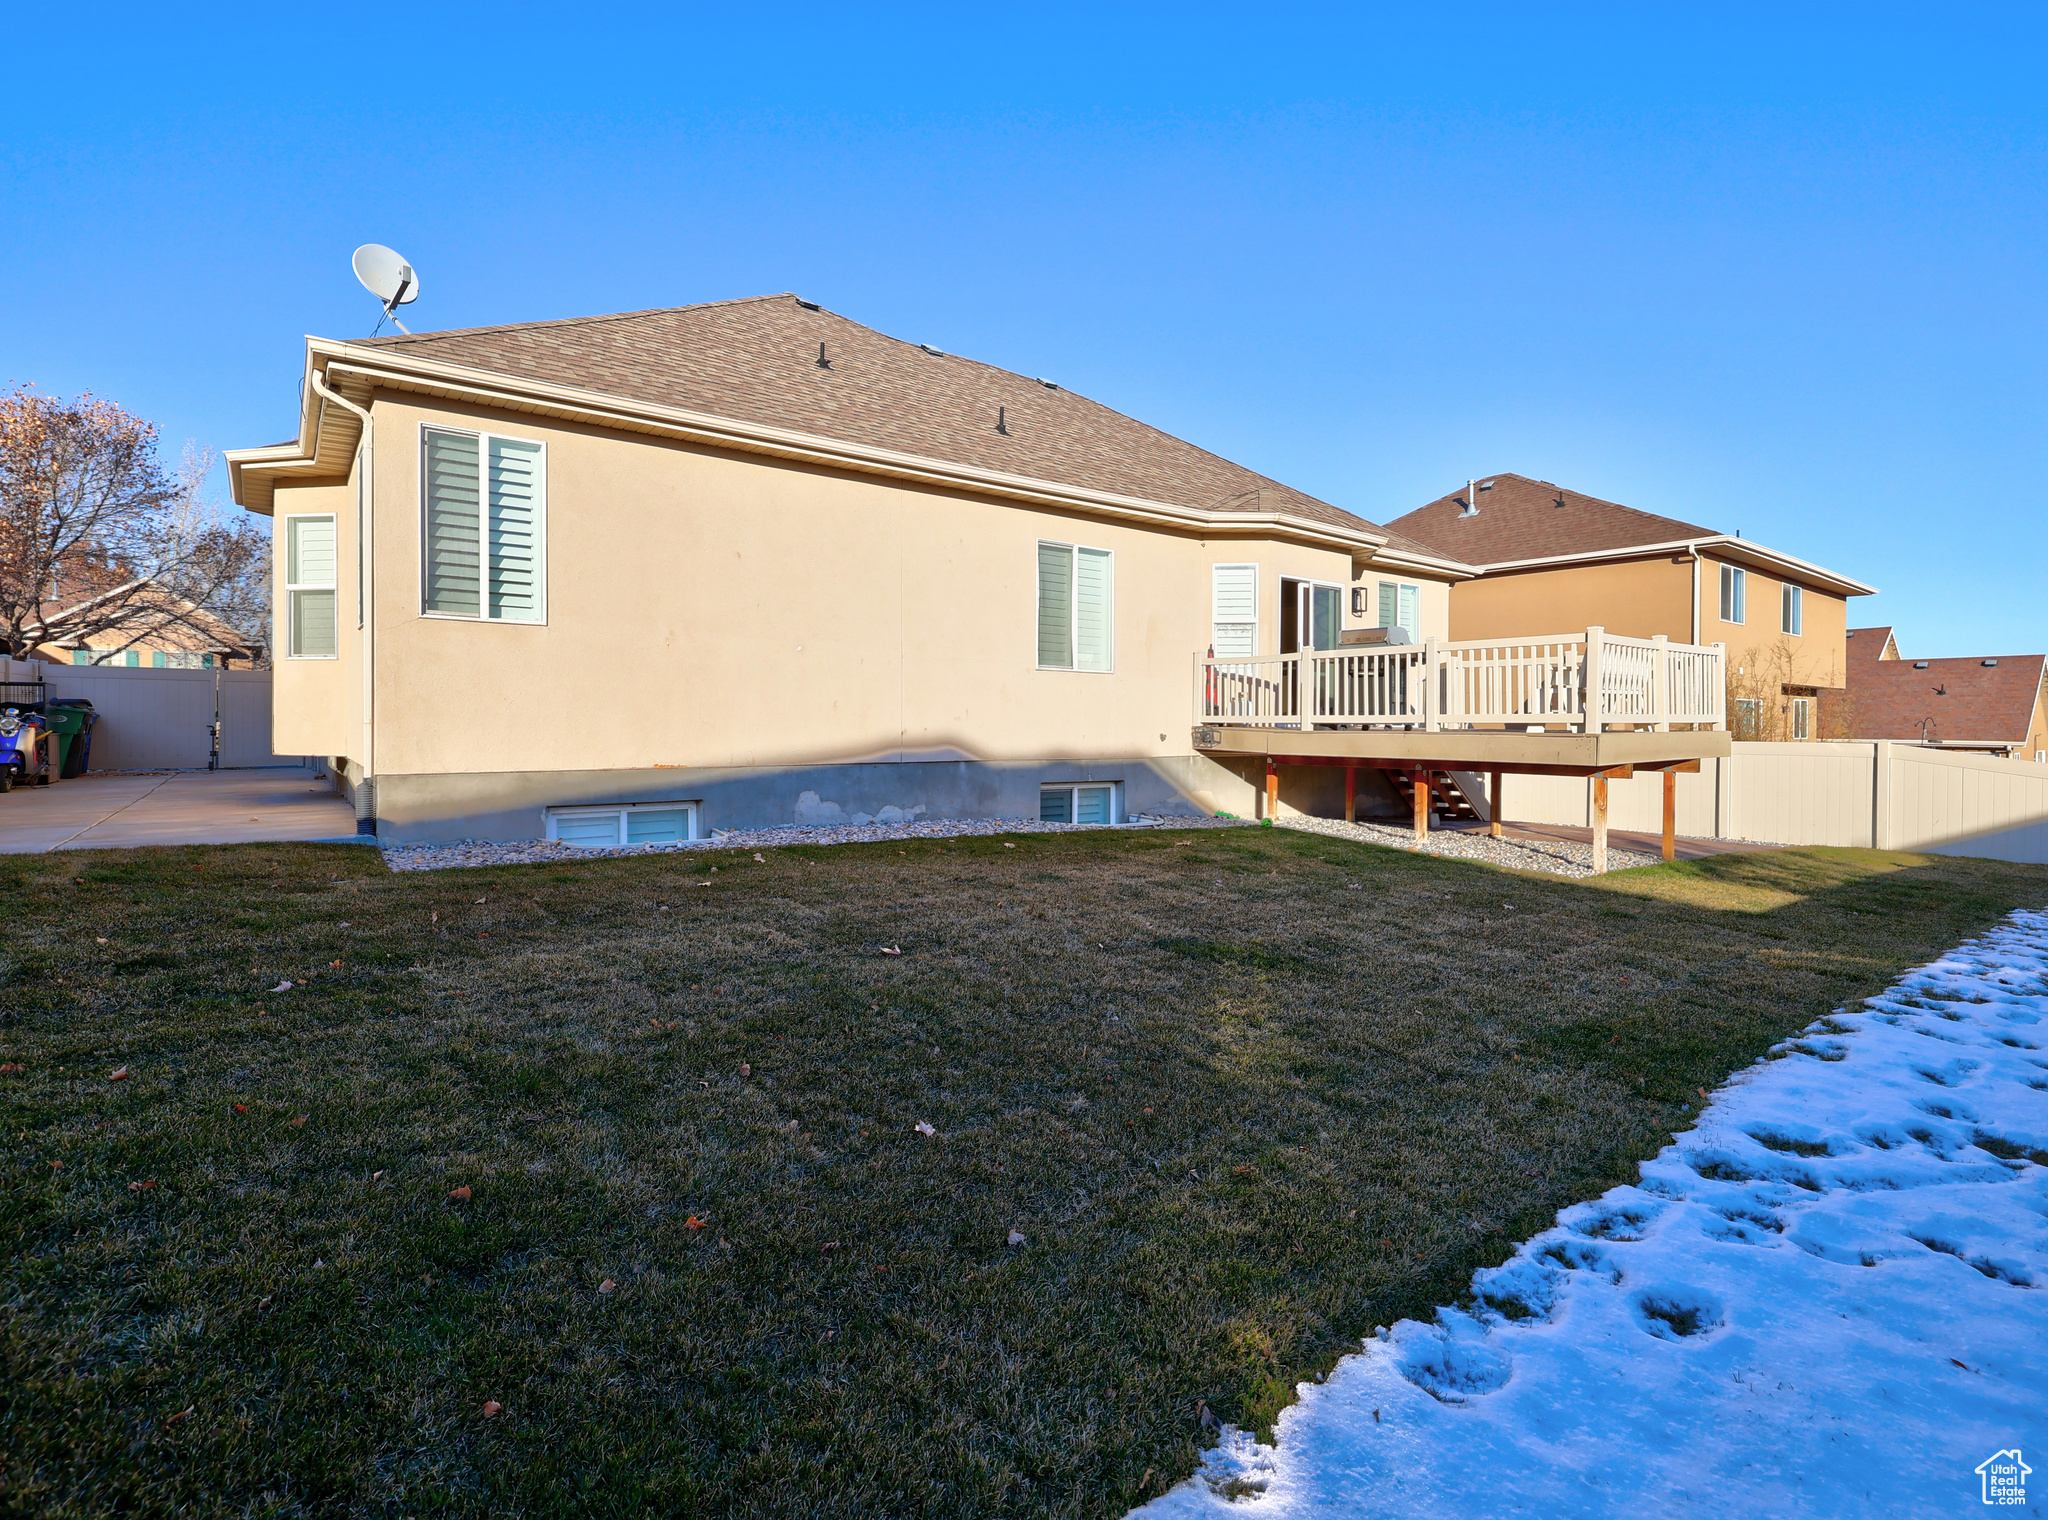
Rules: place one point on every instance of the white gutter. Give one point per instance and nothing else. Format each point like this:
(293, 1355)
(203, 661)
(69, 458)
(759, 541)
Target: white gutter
(365, 570)
(1734, 548)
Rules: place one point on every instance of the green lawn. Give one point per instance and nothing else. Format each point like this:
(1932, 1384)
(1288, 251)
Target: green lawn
(1244, 1092)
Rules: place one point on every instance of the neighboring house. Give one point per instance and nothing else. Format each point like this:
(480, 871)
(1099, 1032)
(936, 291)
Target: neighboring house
(1996, 704)
(636, 577)
(162, 631)
(1549, 558)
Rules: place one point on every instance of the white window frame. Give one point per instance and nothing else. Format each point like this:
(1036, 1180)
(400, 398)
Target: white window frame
(483, 528)
(1072, 788)
(1074, 552)
(620, 810)
(292, 587)
(1802, 717)
(1734, 595)
(1792, 610)
(1251, 623)
(1305, 611)
(1393, 620)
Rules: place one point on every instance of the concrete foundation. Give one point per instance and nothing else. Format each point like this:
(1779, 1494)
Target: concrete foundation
(510, 805)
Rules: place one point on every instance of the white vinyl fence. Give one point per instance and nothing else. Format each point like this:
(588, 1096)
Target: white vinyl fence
(154, 720)
(1866, 794)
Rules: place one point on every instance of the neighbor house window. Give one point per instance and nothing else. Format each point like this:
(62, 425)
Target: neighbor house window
(1794, 609)
(485, 525)
(180, 659)
(1075, 598)
(1802, 717)
(1234, 611)
(1401, 607)
(1749, 717)
(637, 823)
(1734, 594)
(1077, 804)
(309, 587)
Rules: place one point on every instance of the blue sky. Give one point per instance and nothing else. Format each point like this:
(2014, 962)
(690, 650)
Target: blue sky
(1762, 268)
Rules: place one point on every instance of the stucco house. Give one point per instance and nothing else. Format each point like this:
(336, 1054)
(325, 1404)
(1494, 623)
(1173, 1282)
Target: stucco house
(1995, 704)
(1548, 557)
(642, 576)
(152, 627)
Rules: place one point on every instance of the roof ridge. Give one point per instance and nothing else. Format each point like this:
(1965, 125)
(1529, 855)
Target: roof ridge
(397, 339)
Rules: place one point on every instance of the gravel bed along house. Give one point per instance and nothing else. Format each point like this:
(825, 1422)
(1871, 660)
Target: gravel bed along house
(480, 852)
(1556, 855)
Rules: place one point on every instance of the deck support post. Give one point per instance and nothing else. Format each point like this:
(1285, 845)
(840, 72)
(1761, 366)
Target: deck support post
(1421, 806)
(1671, 815)
(1599, 824)
(1351, 794)
(1272, 790)
(1493, 802)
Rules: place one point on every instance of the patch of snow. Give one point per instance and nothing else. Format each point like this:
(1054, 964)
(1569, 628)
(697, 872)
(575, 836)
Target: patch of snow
(1828, 1299)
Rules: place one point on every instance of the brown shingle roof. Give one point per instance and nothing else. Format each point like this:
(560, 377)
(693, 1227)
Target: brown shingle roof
(756, 360)
(1953, 700)
(1522, 519)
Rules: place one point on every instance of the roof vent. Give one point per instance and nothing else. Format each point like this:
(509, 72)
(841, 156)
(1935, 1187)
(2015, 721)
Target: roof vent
(806, 305)
(1472, 490)
(1989, 663)
(1919, 664)
(1050, 385)
(936, 353)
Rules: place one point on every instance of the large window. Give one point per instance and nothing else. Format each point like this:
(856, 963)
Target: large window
(1793, 610)
(1075, 607)
(637, 823)
(1234, 611)
(484, 521)
(1734, 594)
(1077, 804)
(309, 588)
(1401, 607)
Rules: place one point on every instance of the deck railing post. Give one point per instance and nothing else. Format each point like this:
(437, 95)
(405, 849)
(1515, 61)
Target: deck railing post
(1592, 719)
(1431, 721)
(1660, 682)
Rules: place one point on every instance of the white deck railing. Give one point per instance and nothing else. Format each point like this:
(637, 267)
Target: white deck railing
(1642, 683)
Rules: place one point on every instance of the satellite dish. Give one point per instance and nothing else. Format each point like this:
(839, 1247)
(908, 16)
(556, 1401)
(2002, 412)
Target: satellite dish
(387, 277)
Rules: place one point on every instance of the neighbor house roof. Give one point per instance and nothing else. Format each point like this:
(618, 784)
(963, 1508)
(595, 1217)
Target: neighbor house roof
(159, 617)
(1528, 524)
(777, 363)
(1983, 699)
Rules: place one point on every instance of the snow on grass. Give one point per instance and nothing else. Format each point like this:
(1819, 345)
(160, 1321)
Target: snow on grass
(1831, 1298)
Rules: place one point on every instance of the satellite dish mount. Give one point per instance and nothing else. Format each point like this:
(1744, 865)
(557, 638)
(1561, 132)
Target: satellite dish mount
(389, 278)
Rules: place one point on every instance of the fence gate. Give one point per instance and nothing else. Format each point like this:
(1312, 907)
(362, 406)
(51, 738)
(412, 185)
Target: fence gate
(153, 720)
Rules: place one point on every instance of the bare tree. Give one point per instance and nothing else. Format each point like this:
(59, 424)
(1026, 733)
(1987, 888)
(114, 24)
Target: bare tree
(94, 537)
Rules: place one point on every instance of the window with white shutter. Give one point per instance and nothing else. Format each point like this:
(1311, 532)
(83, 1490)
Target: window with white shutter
(309, 588)
(484, 522)
(1076, 607)
(1234, 611)
(1401, 607)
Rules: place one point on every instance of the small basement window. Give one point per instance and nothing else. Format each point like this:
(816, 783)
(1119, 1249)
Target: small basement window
(1095, 803)
(637, 823)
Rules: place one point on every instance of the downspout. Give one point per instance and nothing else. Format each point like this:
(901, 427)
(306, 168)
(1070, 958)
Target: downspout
(366, 516)
(1694, 550)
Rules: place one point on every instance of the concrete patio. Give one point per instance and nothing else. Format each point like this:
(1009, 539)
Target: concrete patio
(121, 811)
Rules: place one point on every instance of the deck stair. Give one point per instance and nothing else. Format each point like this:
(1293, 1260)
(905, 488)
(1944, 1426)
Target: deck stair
(1453, 795)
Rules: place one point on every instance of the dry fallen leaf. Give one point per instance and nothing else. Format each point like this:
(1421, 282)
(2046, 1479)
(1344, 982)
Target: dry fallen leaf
(102, 942)
(694, 1223)
(335, 964)
(491, 1407)
(1016, 1237)
(1009, 847)
(118, 1074)
(376, 1176)
(745, 1069)
(925, 1129)
(241, 1108)
(142, 1187)
(300, 1122)
(460, 1194)
(760, 857)
(892, 949)
(10, 1069)
(606, 1286)
(483, 899)
(282, 987)
(180, 1415)
(830, 1245)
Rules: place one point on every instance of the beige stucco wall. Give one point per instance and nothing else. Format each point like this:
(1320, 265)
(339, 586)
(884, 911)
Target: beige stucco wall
(723, 610)
(1817, 657)
(317, 704)
(1636, 598)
